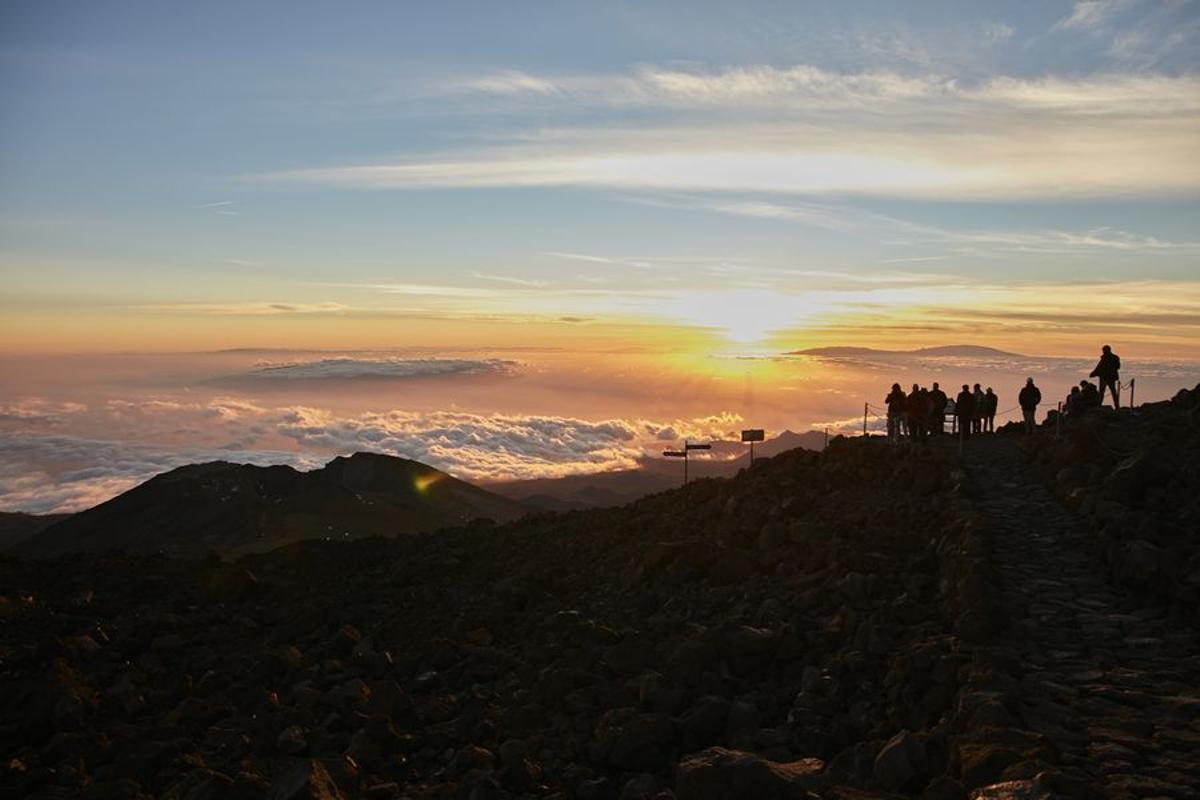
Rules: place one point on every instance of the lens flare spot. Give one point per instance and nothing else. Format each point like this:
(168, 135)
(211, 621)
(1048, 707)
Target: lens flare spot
(424, 482)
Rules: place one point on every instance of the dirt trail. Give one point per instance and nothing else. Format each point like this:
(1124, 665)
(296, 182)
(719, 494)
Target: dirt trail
(1110, 681)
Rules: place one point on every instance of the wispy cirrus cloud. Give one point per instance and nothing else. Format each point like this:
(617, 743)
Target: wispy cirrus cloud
(247, 309)
(842, 217)
(807, 130)
(1090, 15)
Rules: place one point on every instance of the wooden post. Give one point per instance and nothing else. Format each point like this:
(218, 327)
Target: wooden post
(826, 447)
(865, 407)
(1132, 387)
(685, 461)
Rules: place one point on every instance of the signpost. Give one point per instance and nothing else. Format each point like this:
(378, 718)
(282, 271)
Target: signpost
(687, 448)
(753, 435)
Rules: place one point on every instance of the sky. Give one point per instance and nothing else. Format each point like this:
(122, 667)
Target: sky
(643, 189)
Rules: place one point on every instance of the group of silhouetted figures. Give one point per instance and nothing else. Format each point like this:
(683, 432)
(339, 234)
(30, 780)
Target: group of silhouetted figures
(923, 412)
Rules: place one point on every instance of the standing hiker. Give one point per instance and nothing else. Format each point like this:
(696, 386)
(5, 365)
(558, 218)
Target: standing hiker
(1107, 371)
(990, 403)
(1029, 398)
(938, 398)
(980, 404)
(964, 411)
(896, 406)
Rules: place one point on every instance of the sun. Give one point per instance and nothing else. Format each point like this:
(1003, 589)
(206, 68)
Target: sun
(745, 317)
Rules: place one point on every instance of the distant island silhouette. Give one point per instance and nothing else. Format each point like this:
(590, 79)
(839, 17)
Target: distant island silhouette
(954, 350)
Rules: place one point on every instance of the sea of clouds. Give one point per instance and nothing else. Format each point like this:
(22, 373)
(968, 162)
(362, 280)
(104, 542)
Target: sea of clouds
(50, 463)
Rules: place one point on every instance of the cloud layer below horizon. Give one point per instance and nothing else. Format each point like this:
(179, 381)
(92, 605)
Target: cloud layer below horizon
(45, 469)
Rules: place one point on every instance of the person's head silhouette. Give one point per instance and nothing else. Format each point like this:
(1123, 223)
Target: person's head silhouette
(1106, 349)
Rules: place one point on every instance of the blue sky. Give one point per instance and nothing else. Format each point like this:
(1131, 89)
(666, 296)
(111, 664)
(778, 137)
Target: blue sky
(607, 160)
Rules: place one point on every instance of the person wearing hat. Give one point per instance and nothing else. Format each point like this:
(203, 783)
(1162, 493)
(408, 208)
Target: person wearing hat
(1028, 399)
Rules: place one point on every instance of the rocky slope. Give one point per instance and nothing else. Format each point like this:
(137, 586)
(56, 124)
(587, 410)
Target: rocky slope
(870, 622)
(239, 508)
(1134, 476)
(16, 526)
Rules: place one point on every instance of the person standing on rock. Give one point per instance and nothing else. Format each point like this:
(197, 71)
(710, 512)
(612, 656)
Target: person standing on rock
(896, 406)
(1107, 372)
(964, 411)
(938, 398)
(1028, 399)
(990, 403)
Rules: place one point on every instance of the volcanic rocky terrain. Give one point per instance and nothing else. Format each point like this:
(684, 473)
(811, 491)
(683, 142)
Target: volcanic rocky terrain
(1016, 621)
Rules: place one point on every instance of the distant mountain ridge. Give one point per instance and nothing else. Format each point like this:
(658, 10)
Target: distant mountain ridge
(240, 508)
(954, 350)
(652, 475)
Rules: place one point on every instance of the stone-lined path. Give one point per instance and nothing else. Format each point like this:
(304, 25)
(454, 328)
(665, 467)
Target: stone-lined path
(1109, 681)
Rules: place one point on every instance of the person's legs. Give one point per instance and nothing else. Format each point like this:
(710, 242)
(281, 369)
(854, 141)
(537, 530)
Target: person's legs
(1027, 413)
(1112, 387)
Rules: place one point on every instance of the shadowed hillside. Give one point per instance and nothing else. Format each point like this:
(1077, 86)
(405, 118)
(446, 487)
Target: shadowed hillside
(238, 508)
(16, 526)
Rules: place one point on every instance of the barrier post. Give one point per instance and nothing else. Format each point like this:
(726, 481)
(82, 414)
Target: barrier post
(1132, 387)
(826, 439)
(865, 407)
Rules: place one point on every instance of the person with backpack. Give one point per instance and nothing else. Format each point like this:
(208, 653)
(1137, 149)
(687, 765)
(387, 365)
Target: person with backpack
(1107, 372)
(1028, 399)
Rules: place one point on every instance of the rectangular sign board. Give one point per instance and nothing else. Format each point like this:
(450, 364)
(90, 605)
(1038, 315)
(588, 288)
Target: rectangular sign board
(757, 435)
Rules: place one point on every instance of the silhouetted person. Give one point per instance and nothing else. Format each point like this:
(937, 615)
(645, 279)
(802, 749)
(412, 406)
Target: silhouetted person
(1089, 396)
(938, 419)
(919, 409)
(979, 406)
(897, 406)
(964, 411)
(1074, 406)
(912, 415)
(1028, 399)
(1107, 372)
(990, 403)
